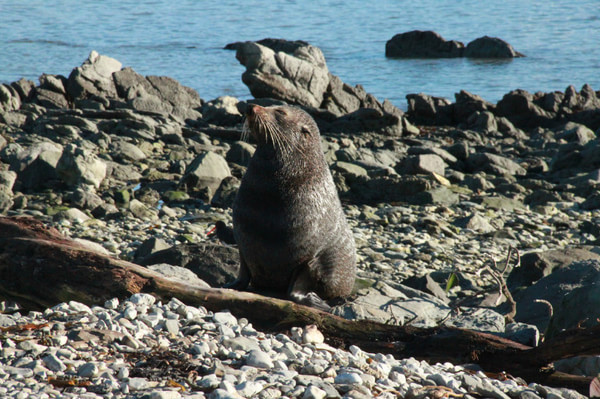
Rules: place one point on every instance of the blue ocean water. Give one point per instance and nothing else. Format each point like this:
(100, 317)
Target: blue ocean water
(184, 39)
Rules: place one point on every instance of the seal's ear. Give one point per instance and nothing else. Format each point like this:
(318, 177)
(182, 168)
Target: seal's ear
(305, 130)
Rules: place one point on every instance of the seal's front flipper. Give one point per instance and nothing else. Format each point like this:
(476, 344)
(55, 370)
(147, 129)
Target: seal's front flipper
(301, 288)
(243, 279)
(309, 299)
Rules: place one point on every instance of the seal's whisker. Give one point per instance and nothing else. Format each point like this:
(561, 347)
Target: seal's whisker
(245, 131)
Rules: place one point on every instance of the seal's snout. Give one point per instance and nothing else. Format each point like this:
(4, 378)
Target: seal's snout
(253, 110)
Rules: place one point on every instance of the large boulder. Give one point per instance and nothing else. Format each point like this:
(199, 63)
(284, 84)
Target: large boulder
(9, 98)
(494, 164)
(51, 93)
(536, 265)
(298, 78)
(428, 110)
(79, 166)
(573, 293)
(423, 164)
(36, 165)
(518, 107)
(422, 44)
(157, 94)
(93, 78)
(296, 72)
(370, 120)
(222, 111)
(467, 104)
(215, 264)
(490, 47)
(206, 173)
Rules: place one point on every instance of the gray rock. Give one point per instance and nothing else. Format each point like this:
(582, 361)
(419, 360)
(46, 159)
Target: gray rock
(460, 150)
(429, 285)
(79, 166)
(349, 170)
(215, 264)
(341, 98)
(165, 395)
(93, 77)
(535, 265)
(591, 202)
(519, 108)
(475, 222)
(425, 163)
(84, 197)
(395, 305)
(299, 77)
(7, 179)
(314, 392)
(126, 152)
(467, 104)
(6, 200)
(222, 111)
(478, 319)
(178, 273)
(72, 215)
(389, 188)
(348, 378)
(141, 211)
(575, 132)
(50, 99)
(183, 99)
(225, 194)
(554, 288)
(52, 362)
(36, 166)
(526, 334)
(9, 98)
(428, 110)
(24, 88)
(483, 387)
(241, 343)
(129, 83)
(500, 202)
(579, 308)
(494, 164)
(439, 195)
(240, 153)
(161, 95)
(490, 47)
(422, 44)
(88, 370)
(206, 171)
(369, 120)
(445, 155)
(258, 358)
(150, 246)
(482, 121)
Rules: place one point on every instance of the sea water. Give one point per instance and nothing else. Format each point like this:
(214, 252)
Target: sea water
(184, 39)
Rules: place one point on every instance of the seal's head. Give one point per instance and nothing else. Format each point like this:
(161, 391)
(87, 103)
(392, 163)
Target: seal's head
(285, 129)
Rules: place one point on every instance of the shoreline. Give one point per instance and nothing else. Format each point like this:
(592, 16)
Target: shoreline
(118, 160)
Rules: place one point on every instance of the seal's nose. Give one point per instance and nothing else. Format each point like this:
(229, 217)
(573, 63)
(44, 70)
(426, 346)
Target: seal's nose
(253, 109)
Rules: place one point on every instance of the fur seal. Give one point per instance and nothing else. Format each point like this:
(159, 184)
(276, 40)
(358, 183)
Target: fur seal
(288, 221)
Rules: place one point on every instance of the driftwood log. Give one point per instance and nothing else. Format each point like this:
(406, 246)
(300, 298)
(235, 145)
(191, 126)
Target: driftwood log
(40, 268)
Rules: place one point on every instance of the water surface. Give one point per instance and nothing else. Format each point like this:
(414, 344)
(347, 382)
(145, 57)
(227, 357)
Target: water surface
(184, 40)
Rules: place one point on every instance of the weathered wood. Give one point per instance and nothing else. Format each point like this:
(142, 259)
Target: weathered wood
(40, 268)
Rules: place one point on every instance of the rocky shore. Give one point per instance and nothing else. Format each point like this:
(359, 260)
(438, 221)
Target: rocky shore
(142, 168)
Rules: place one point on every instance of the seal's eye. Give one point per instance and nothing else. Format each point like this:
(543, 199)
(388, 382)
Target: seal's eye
(280, 112)
(305, 130)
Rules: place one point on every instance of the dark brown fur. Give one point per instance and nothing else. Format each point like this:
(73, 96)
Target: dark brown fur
(288, 221)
